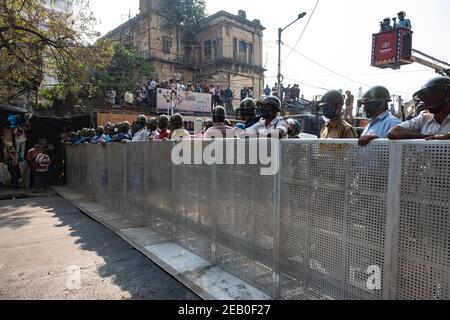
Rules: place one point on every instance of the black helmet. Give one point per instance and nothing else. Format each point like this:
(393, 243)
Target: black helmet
(377, 93)
(333, 97)
(126, 125)
(100, 130)
(247, 104)
(438, 83)
(176, 120)
(376, 100)
(433, 94)
(163, 119)
(219, 114)
(329, 102)
(142, 120)
(271, 101)
(152, 123)
(209, 123)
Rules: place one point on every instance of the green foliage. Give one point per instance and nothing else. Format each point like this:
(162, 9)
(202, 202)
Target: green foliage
(37, 43)
(186, 15)
(127, 70)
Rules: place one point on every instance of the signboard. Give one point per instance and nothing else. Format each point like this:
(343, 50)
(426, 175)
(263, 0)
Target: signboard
(385, 46)
(184, 102)
(392, 49)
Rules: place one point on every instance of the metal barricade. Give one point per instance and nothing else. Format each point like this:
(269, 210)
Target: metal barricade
(422, 255)
(193, 202)
(158, 213)
(336, 222)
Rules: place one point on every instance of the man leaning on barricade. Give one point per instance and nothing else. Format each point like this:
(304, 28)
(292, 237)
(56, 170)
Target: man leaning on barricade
(434, 122)
(271, 125)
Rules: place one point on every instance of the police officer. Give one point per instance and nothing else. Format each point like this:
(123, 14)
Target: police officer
(208, 124)
(99, 136)
(434, 123)
(376, 106)
(270, 125)
(220, 129)
(164, 132)
(141, 129)
(336, 128)
(247, 111)
(152, 127)
(124, 133)
(176, 127)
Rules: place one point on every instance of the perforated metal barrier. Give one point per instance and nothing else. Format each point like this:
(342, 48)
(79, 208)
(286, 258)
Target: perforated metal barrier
(336, 222)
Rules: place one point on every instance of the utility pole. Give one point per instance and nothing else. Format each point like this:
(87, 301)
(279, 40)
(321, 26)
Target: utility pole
(280, 31)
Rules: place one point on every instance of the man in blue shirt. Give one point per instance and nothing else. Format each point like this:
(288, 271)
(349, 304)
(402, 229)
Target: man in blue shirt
(403, 23)
(376, 106)
(267, 91)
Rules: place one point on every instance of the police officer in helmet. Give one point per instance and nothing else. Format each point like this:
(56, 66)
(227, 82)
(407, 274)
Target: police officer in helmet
(220, 129)
(141, 133)
(270, 125)
(163, 125)
(336, 128)
(176, 127)
(376, 107)
(247, 110)
(434, 123)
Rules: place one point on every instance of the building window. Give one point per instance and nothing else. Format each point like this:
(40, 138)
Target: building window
(166, 44)
(243, 48)
(207, 45)
(235, 45)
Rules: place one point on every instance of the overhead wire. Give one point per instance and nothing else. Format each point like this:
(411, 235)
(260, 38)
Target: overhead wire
(304, 29)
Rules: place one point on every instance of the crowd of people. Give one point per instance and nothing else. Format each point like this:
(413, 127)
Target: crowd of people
(260, 118)
(19, 168)
(146, 94)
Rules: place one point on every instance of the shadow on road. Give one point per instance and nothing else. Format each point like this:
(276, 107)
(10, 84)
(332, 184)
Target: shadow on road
(128, 268)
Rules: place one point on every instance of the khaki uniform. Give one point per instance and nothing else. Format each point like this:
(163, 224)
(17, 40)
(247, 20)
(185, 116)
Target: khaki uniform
(338, 129)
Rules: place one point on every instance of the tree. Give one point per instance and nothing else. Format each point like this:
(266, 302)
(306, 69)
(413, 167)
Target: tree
(37, 43)
(127, 70)
(184, 15)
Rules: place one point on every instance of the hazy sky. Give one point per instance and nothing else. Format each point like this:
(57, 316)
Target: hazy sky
(339, 37)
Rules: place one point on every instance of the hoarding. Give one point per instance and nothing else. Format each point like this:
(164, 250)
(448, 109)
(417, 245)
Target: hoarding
(184, 102)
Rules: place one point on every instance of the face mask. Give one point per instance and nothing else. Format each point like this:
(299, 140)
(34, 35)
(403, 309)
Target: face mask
(329, 111)
(268, 114)
(435, 103)
(372, 107)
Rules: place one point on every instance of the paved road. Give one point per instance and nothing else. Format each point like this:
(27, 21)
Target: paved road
(50, 250)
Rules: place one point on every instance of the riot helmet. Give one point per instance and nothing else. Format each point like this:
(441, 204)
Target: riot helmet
(434, 94)
(331, 104)
(376, 99)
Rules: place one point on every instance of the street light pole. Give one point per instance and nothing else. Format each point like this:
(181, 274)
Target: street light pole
(280, 31)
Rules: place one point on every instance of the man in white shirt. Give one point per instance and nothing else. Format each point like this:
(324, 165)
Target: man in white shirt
(177, 129)
(434, 123)
(270, 126)
(142, 134)
(219, 130)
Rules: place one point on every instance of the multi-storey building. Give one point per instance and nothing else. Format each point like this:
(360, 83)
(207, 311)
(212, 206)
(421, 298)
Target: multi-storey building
(227, 51)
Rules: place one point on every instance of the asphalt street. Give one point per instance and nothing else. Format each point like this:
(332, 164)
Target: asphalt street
(50, 250)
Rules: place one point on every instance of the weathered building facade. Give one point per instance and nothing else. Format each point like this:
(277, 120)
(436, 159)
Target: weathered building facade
(227, 51)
